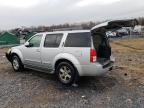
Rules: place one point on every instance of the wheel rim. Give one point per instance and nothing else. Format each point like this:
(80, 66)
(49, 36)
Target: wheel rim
(15, 64)
(65, 74)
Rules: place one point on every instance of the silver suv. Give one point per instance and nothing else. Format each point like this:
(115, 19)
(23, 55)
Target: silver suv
(67, 54)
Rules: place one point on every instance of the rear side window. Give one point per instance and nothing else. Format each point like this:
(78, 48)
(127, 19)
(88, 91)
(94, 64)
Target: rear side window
(53, 40)
(78, 40)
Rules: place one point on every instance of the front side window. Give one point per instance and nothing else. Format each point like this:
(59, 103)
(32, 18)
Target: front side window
(78, 39)
(35, 41)
(53, 40)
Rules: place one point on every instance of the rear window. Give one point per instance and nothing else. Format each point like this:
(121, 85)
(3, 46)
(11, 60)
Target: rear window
(78, 40)
(53, 40)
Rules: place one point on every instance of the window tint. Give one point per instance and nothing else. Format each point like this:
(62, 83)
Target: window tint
(53, 40)
(78, 40)
(35, 41)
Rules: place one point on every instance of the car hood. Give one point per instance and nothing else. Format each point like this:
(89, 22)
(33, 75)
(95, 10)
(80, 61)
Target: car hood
(114, 25)
(17, 47)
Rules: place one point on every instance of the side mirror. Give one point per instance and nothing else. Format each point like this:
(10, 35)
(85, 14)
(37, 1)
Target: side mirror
(27, 44)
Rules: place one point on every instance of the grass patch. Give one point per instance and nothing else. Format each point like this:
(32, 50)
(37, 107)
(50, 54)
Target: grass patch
(128, 45)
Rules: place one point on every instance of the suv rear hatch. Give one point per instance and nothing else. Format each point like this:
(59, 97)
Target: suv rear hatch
(100, 40)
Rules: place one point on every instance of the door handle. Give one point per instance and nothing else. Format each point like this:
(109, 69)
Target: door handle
(37, 50)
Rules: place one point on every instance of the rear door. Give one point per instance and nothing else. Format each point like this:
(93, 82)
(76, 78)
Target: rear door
(50, 48)
(114, 25)
(100, 40)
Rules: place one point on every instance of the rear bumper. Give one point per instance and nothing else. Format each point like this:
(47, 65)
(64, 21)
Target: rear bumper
(95, 69)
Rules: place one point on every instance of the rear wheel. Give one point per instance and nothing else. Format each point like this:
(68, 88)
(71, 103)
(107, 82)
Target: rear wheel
(66, 73)
(16, 63)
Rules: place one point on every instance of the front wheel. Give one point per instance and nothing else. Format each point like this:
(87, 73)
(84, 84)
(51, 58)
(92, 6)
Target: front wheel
(16, 63)
(66, 73)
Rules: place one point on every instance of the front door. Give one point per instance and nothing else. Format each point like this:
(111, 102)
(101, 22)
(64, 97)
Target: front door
(32, 53)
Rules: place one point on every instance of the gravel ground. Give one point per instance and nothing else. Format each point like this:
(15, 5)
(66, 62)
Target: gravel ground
(121, 88)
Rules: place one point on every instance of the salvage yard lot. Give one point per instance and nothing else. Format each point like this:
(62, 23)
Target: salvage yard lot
(121, 88)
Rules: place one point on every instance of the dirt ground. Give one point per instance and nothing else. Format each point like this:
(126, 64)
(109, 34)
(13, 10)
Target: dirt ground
(122, 87)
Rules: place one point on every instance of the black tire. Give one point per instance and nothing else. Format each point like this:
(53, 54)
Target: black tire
(16, 61)
(69, 75)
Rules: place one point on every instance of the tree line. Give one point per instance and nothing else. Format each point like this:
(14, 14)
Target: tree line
(77, 26)
(83, 26)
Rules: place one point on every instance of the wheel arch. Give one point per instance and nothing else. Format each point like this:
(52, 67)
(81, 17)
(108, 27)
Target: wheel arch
(62, 60)
(17, 53)
(67, 58)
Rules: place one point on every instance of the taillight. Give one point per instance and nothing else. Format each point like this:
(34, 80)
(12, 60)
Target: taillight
(93, 55)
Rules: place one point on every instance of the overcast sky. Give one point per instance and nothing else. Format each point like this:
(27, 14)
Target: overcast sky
(17, 13)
